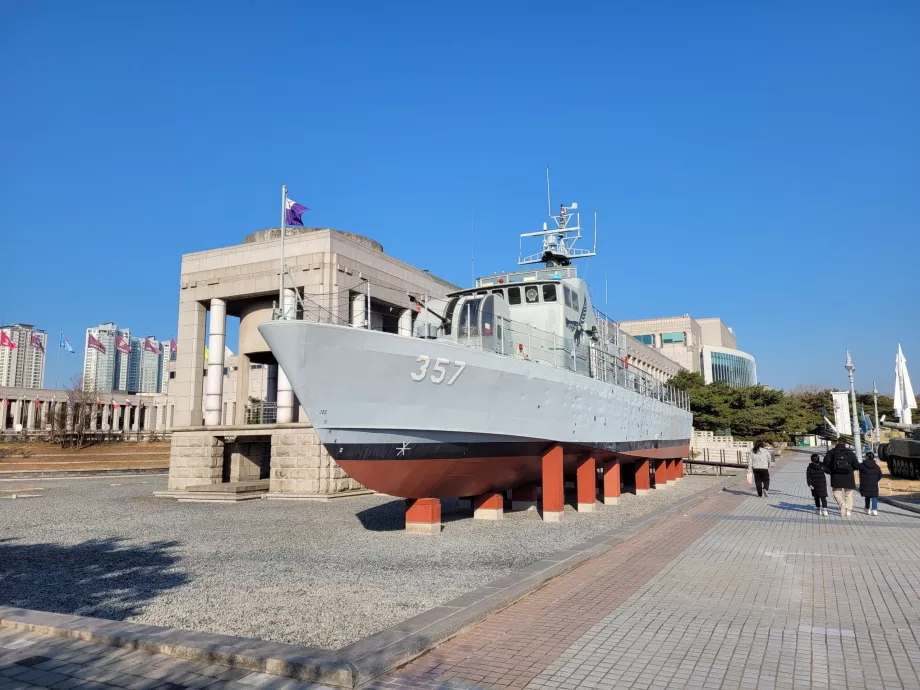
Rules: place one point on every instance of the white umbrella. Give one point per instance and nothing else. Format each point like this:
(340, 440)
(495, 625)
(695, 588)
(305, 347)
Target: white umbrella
(904, 400)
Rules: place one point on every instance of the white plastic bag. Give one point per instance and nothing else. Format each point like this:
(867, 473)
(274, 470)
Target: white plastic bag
(749, 477)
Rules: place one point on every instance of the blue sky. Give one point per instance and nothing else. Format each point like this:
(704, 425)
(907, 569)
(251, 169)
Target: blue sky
(758, 162)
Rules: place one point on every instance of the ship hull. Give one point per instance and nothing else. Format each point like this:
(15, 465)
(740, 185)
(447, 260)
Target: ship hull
(421, 418)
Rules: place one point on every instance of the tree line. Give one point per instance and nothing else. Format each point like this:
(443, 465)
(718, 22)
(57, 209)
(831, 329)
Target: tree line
(757, 412)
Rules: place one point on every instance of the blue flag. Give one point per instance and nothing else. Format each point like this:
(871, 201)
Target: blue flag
(66, 344)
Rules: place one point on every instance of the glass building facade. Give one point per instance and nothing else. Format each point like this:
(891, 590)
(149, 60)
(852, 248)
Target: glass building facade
(731, 367)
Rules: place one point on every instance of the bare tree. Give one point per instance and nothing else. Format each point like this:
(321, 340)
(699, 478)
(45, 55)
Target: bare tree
(81, 407)
(806, 388)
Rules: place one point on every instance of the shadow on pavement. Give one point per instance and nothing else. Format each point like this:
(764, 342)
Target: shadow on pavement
(102, 578)
(796, 507)
(386, 517)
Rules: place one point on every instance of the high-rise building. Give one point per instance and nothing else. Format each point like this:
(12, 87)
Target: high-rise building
(23, 366)
(166, 356)
(122, 359)
(99, 359)
(150, 365)
(108, 367)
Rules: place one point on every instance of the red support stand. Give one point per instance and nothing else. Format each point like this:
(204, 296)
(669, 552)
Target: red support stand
(490, 506)
(586, 481)
(643, 479)
(611, 482)
(661, 477)
(524, 498)
(553, 485)
(423, 516)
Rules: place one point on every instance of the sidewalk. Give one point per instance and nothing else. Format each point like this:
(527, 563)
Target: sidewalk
(736, 592)
(739, 592)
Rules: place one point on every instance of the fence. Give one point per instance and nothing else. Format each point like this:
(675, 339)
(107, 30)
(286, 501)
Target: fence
(260, 413)
(393, 310)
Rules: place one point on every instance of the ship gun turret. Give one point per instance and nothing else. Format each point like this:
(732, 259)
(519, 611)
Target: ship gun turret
(902, 454)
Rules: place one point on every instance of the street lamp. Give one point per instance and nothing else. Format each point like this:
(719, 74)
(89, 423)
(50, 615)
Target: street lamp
(856, 440)
(878, 428)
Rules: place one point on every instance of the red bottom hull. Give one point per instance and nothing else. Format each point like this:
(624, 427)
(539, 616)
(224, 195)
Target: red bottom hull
(451, 478)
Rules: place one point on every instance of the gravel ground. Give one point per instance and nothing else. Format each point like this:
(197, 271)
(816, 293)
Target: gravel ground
(322, 574)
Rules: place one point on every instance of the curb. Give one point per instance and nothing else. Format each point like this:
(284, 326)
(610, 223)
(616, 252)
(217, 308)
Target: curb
(912, 507)
(52, 474)
(361, 661)
(303, 663)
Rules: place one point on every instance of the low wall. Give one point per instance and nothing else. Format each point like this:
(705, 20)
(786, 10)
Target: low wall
(299, 464)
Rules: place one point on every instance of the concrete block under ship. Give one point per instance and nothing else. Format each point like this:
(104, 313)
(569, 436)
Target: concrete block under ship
(510, 384)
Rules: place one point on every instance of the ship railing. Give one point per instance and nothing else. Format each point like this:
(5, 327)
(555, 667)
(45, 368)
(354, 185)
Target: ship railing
(387, 308)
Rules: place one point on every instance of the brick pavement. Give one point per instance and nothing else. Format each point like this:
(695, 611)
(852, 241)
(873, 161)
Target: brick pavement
(739, 592)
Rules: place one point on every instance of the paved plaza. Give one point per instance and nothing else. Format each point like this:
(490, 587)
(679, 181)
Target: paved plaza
(734, 592)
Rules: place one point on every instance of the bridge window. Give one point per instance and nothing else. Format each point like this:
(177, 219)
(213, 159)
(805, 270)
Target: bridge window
(531, 294)
(514, 295)
(549, 292)
(568, 296)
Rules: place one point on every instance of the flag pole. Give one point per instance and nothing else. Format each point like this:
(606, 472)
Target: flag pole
(57, 368)
(281, 284)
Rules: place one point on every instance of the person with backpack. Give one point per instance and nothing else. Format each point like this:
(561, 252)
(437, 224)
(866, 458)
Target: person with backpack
(869, 475)
(758, 463)
(840, 463)
(817, 482)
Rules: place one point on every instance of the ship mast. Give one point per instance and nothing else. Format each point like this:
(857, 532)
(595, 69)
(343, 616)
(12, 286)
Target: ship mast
(558, 247)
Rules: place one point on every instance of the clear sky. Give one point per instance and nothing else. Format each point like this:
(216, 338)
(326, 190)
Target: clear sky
(757, 163)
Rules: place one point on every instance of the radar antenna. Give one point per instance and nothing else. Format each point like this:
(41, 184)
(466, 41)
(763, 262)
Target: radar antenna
(559, 243)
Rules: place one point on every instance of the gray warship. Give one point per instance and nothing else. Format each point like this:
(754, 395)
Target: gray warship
(483, 384)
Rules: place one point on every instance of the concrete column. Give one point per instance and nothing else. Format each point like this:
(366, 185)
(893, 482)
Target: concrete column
(17, 412)
(231, 412)
(489, 506)
(4, 411)
(136, 426)
(68, 417)
(44, 415)
(242, 388)
(405, 322)
(92, 417)
(116, 418)
(30, 416)
(586, 483)
(611, 482)
(217, 338)
(271, 383)
(643, 479)
(423, 516)
(285, 398)
(186, 388)
(359, 310)
(524, 498)
(553, 485)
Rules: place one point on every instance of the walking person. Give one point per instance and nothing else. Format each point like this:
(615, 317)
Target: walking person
(758, 462)
(840, 463)
(817, 482)
(869, 475)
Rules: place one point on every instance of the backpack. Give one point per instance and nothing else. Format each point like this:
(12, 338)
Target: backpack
(841, 462)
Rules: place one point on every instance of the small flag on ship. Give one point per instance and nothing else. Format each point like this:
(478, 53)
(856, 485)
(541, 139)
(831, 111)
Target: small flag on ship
(94, 344)
(37, 342)
(5, 341)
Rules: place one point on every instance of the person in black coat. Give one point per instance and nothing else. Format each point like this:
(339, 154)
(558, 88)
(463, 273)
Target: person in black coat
(817, 482)
(869, 475)
(840, 463)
